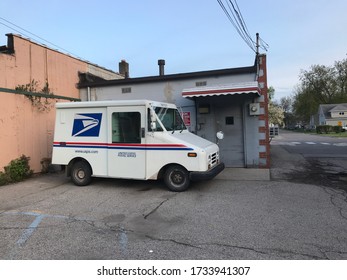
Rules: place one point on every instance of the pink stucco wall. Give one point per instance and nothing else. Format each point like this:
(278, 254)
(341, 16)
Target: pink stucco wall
(23, 128)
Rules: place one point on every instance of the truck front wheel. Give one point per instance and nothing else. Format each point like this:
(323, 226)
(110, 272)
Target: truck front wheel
(81, 173)
(176, 178)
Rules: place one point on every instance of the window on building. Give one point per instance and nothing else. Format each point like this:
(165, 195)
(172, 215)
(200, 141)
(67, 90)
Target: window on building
(201, 84)
(126, 90)
(204, 109)
(229, 120)
(126, 127)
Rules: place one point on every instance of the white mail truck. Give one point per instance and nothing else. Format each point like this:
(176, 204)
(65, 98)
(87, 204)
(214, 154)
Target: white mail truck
(135, 139)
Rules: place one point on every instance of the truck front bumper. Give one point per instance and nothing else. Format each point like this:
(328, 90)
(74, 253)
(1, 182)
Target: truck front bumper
(207, 175)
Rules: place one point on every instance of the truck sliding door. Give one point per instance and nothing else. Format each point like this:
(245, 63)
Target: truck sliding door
(126, 142)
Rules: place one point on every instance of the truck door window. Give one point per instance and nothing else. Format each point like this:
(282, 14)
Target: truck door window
(158, 126)
(170, 118)
(126, 127)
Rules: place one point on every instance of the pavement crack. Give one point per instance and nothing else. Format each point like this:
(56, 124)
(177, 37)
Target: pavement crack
(104, 201)
(235, 247)
(145, 216)
(338, 198)
(10, 228)
(172, 240)
(155, 209)
(266, 252)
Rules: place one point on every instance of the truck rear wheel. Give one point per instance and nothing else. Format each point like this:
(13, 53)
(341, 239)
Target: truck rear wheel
(176, 178)
(81, 173)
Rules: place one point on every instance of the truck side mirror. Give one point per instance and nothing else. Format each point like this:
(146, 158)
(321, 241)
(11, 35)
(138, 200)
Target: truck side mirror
(153, 120)
(153, 126)
(153, 117)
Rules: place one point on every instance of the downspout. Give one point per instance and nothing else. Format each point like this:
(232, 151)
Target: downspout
(196, 116)
(88, 94)
(244, 125)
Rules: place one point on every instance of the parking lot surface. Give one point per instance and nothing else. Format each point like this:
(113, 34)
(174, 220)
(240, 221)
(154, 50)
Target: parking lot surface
(47, 217)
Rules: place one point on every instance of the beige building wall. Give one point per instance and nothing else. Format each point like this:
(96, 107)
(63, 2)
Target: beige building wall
(24, 128)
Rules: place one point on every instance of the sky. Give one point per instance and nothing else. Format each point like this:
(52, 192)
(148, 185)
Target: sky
(191, 35)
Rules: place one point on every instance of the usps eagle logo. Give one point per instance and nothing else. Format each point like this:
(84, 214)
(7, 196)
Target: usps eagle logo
(87, 125)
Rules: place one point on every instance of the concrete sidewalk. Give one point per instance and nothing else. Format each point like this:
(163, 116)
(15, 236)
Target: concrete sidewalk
(244, 174)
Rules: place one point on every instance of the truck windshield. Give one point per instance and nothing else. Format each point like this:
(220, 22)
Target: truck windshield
(170, 118)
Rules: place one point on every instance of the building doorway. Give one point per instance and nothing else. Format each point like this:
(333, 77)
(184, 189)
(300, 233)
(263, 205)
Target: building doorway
(229, 119)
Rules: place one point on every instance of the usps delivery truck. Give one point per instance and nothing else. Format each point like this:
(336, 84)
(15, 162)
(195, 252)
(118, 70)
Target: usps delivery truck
(135, 139)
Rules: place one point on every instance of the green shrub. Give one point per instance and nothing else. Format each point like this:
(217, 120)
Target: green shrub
(3, 178)
(337, 129)
(17, 170)
(324, 129)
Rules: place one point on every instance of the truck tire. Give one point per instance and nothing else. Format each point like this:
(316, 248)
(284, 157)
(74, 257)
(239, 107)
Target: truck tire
(81, 173)
(176, 178)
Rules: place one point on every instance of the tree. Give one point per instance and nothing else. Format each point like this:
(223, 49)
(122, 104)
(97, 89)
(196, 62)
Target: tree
(286, 104)
(271, 92)
(341, 77)
(276, 113)
(320, 85)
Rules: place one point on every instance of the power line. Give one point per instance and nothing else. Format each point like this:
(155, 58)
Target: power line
(241, 23)
(26, 31)
(244, 23)
(265, 46)
(233, 13)
(234, 18)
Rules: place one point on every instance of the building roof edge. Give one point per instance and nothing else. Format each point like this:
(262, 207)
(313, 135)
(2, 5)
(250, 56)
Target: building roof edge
(171, 77)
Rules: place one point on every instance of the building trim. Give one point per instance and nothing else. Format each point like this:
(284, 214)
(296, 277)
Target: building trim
(231, 89)
(171, 77)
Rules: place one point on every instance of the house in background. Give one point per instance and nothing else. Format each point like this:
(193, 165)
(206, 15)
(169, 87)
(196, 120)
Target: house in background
(332, 114)
(233, 100)
(25, 128)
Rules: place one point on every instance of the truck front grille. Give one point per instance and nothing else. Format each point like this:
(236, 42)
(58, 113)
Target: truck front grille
(213, 159)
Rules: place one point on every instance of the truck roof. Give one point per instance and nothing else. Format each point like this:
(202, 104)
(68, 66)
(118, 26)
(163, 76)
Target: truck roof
(112, 103)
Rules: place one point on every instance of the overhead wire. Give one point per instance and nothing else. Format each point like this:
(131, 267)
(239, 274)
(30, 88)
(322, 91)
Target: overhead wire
(243, 23)
(28, 32)
(234, 14)
(241, 17)
(265, 46)
(240, 22)
(235, 21)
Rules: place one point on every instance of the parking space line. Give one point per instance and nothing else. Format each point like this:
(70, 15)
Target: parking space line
(30, 230)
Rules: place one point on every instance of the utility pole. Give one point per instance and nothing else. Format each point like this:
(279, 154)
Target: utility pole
(257, 43)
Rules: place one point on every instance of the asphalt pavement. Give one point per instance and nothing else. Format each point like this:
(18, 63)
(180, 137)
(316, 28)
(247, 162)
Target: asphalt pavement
(47, 217)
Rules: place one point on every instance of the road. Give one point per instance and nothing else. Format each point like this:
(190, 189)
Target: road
(311, 159)
(290, 217)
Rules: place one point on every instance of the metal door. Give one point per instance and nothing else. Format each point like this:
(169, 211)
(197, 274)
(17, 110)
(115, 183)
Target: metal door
(229, 120)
